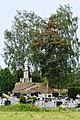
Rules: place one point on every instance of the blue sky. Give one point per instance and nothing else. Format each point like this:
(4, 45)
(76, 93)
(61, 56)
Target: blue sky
(43, 8)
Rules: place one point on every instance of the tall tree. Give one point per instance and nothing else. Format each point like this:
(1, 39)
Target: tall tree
(7, 81)
(56, 50)
(24, 29)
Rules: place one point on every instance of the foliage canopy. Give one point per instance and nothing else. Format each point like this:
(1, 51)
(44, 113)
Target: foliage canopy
(7, 80)
(51, 46)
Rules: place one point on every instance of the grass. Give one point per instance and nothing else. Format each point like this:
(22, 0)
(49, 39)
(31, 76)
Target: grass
(29, 112)
(51, 115)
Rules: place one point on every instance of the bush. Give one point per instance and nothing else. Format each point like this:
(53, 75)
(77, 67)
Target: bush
(72, 92)
(20, 107)
(26, 107)
(7, 81)
(22, 99)
(64, 92)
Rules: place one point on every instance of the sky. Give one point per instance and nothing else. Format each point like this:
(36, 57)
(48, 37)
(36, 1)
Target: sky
(43, 8)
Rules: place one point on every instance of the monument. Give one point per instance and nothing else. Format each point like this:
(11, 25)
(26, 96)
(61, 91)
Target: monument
(25, 72)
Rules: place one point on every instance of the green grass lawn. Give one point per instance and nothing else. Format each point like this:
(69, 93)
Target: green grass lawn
(51, 115)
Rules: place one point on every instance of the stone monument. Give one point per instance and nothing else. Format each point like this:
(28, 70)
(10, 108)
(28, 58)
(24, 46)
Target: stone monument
(25, 72)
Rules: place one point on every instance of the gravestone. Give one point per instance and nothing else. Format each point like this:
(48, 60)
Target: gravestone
(1, 100)
(49, 95)
(78, 105)
(7, 102)
(59, 103)
(55, 94)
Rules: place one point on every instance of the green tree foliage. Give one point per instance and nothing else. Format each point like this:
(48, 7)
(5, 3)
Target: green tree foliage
(25, 28)
(18, 75)
(36, 77)
(66, 25)
(51, 46)
(7, 80)
(56, 50)
(77, 82)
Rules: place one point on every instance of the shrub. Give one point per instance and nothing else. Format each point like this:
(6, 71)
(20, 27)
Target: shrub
(64, 92)
(34, 98)
(7, 81)
(22, 99)
(72, 92)
(20, 107)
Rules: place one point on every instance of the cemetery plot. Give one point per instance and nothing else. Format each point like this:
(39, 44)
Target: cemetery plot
(40, 100)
